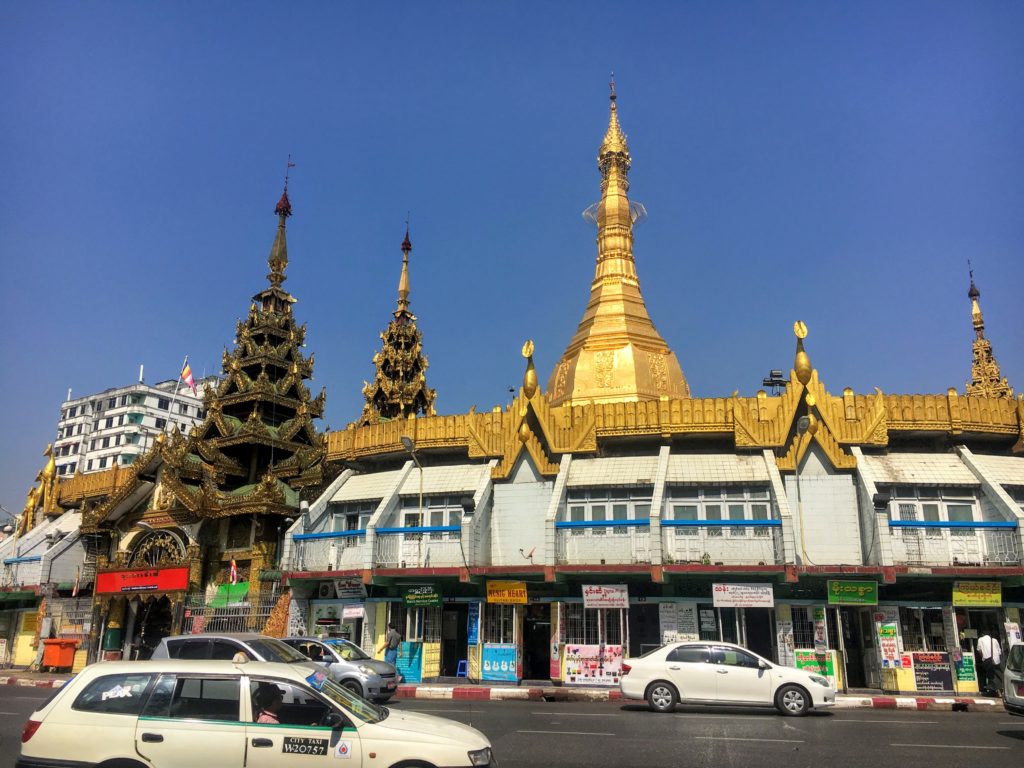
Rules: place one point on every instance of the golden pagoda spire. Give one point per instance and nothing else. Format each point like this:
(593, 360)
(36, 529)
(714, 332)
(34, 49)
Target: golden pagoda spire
(278, 259)
(986, 380)
(403, 281)
(616, 354)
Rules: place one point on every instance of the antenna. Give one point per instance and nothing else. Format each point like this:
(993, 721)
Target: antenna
(288, 171)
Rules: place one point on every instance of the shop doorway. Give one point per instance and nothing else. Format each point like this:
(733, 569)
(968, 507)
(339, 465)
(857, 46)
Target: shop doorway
(758, 631)
(644, 628)
(454, 636)
(153, 622)
(858, 646)
(537, 642)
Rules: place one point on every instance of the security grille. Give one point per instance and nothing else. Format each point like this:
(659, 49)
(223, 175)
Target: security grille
(593, 626)
(248, 616)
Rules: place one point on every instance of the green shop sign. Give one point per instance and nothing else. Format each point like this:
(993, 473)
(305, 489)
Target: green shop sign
(422, 596)
(852, 592)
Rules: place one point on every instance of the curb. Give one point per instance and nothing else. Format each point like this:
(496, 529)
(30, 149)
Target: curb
(921, 703)
(26, 682)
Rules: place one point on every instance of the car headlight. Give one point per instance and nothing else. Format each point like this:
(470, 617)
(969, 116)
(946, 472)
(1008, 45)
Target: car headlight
(822, 681)
(366, 670)
(481, 757)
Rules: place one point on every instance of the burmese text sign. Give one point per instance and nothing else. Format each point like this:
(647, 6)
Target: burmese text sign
(605, 596)
(978, 594)
(852, 592)
(742, 596)
(592, 664)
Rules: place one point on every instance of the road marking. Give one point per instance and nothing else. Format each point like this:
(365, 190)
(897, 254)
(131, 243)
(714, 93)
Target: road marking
(435, 709)
(738, 738)
(570, 733)
(10, 713)
(893, 722)
(578, 714)
(766, 716)
(945, 746)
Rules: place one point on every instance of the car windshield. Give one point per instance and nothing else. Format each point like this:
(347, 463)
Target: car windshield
(347, 650)
(357, 705)
(272, 649)
(1015, 659)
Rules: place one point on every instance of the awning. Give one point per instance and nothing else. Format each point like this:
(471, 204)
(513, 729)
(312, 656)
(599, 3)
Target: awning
(230, 595)
(16, 597)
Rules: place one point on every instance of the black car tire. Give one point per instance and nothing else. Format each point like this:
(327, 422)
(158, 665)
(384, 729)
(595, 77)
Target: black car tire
(661, 696)
(353, 686)
(793, 701)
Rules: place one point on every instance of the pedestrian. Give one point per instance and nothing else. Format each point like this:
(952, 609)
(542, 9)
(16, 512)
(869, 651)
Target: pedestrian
(991, 658)
(390, 645)
(268, 702)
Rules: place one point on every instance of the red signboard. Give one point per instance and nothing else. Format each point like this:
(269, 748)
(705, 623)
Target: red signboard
(144, 580)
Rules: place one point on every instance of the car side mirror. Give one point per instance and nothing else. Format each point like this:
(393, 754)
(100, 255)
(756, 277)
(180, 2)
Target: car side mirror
(334, 720)
(762, 664)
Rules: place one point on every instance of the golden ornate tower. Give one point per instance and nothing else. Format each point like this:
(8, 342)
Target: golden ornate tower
(399, 389)
(616, 354)
(986, 380)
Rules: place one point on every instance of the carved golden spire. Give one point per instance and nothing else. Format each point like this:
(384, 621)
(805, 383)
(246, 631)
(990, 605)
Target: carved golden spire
(616, 354)
(986, 380)
(399, 388)
(278, 259)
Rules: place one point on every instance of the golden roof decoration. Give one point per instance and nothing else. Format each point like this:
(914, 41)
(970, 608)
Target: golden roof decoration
(986, 378)
(616, 355)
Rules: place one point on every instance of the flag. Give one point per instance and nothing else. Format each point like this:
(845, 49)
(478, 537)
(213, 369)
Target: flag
(78, 580)
(234, 572)
(186, 376)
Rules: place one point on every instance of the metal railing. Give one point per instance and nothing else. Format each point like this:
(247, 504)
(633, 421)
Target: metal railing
(425, 546)
(328, 551)
(249, 615)
(612, 542)
(722, 542)
(960, 543)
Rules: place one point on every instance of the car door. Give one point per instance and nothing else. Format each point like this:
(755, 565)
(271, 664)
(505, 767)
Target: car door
(299, 738)
(192, 719)
(740, 677)
(691, 670)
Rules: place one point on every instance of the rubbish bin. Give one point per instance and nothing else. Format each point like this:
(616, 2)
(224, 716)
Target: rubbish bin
(59, 653)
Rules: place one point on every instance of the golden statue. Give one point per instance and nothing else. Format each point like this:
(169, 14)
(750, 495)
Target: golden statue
(47, 479)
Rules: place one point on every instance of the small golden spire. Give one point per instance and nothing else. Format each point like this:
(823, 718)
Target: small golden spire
(802, 362)
(278, 259)
(986, 379)
(403, 281)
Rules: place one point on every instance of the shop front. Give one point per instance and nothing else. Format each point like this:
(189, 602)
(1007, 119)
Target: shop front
(138, 608)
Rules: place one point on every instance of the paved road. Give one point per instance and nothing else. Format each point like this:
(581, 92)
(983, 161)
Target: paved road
(530, 734)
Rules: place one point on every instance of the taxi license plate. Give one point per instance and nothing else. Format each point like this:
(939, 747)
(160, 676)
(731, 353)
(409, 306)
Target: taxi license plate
(392, 684)
(1020, 689)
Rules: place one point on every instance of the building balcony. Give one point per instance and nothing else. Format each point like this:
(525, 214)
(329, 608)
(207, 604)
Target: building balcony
(437, 546)
(328, 551)
(961, 544)
(721, 542)
(617, 542)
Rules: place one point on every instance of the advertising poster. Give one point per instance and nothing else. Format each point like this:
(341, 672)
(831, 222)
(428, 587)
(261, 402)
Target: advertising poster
(784, 634)
(965, 669)
(473, 624)
(605, 596)
(326, 616)
(410, 662)
(820, 630)
(498, 662)
(852, 592)
(816, 663)
(687, 622)
(708, 623)
(353, 611)
(932, 672)
(1013, 636)
(592, 664)
(743, 595)
(668, 622)
(887, 623)
(557, 638)
(978, 594)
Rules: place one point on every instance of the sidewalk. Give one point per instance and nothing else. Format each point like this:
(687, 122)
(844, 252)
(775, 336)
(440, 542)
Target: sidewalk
(474, 692)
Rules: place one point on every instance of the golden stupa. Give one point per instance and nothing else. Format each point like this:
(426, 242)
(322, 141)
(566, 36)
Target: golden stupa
(616, 354)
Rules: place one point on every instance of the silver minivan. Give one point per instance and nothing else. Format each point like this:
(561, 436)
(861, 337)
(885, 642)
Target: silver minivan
(224, 645)
(350, 666)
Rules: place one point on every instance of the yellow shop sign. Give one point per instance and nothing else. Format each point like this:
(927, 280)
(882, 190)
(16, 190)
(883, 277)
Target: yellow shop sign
(978, 594)
(506, 592)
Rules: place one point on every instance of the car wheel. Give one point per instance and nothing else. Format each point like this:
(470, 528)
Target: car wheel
(661, 696)
(792, 700)
(353, 686)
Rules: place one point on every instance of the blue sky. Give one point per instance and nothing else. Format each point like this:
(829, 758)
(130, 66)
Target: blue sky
(833, 162)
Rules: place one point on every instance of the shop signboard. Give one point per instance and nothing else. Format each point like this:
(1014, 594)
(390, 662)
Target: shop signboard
(932, 672)
(352, 611)
(592, 664)
(351, 588)
(1013, 636)
(978, 594)
(818, 663)
(605, 596)
(506, 592)
(473, 625)
(743, 596)
(498, 662)
(841, 592)
(410, 662)
(422, 596)
(142, 580)
(965, 668)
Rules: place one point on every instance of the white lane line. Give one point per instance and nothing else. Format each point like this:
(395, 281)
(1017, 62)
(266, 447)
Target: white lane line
(892, 722)
(10, 713)
(768, 717)
(433, 709)
(577, 714)
(570, 733)
(945, 746)
(738, 738)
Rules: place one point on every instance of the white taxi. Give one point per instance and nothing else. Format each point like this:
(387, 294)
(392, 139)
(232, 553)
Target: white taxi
(175, 713)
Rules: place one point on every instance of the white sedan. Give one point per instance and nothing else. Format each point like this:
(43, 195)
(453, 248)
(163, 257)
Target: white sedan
(721, 674)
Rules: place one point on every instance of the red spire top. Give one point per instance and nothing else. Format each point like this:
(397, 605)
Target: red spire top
(406, 243)
(284, 205)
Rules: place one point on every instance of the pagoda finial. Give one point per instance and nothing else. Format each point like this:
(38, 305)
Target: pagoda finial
(403, 281)
(278, 259)
(986, 379)
(614, 139)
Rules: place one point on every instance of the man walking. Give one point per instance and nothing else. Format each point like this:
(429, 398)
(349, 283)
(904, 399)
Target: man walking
(991, 657)
(390, 645)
